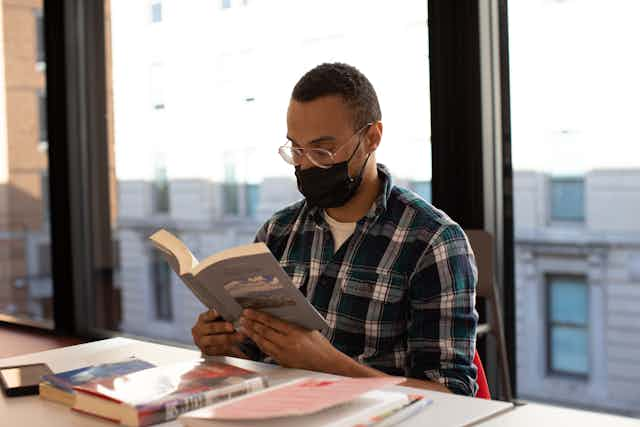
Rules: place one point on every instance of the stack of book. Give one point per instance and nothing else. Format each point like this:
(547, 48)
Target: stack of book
(203, 393)
(162, 393)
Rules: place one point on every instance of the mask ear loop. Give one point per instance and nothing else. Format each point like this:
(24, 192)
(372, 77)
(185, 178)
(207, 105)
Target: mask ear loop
(363, 166)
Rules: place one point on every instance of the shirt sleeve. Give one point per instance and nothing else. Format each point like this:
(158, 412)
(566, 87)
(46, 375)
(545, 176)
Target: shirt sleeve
(442, 324)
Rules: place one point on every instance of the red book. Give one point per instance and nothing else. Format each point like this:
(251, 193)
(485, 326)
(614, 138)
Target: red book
(161, 394)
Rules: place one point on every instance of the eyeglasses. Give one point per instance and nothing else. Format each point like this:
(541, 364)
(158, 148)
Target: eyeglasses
(320, 157)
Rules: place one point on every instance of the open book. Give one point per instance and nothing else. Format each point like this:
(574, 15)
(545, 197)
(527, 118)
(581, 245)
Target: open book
(243, 277)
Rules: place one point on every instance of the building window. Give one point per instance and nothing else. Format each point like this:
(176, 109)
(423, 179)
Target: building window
(567, 199)
(161, 284)
(230, 195)
(42, 118)
(252, 199)
(156, 11)
(422, 188)
(44, 259)
(226, 4)
(160, 189)
(44, 192)
(40, 53)
(568, 325)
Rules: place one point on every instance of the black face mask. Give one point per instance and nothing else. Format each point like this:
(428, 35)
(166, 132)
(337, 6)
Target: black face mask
(331, 187)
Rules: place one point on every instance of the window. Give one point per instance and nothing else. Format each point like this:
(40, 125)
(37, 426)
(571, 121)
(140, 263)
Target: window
(44, 259)
(252, 199)
(161, 283)
(156, 11)
(568, 332)
(42, 118)
(567, 199)
(422, 188)
(40, 52)
(230, 201)
(160, 189)
(226, 4)
(44, 190)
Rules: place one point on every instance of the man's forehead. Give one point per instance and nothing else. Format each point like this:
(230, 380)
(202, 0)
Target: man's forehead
(322, 116)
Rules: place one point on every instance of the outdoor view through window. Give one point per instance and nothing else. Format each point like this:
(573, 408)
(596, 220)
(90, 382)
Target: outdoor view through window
(26, 291)
(200, 93)
(576, 158)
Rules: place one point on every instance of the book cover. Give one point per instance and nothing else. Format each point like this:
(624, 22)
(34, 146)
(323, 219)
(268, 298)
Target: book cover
(162, 393)
(247, 276)
(59, 387)
(68, 379)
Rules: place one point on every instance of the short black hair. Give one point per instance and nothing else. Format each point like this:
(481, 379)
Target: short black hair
(345, 81)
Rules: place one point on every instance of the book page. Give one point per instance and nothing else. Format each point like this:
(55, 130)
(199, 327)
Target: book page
(237, 252)
(171, 246)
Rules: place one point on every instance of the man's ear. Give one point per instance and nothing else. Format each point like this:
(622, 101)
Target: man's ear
(374, 136)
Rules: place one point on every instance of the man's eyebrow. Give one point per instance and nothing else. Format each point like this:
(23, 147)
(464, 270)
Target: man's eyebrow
(326, 138)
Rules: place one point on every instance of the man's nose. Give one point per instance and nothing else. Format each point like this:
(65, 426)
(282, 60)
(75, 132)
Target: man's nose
(305, 163)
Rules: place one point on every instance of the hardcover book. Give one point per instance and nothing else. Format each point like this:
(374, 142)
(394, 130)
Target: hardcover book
(161, 394)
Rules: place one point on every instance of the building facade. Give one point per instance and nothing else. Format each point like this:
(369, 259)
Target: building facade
(578, 288)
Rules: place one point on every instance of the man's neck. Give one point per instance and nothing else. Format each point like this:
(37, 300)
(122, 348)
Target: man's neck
(361, 202)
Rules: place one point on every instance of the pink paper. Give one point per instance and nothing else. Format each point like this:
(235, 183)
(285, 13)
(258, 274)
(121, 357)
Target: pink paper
(302, 397)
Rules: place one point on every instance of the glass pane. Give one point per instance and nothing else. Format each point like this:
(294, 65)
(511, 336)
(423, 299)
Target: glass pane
(569, 350)
(567, 200)
(26, 292)
(206, 166)
(156, 11)
(574, 102)
(569, 301)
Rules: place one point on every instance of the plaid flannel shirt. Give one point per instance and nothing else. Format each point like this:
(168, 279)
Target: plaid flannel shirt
(399, 294)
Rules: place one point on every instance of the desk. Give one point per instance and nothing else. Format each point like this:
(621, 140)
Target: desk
(446, 409)
(538, 415)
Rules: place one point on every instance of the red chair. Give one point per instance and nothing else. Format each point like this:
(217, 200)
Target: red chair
(483, 386)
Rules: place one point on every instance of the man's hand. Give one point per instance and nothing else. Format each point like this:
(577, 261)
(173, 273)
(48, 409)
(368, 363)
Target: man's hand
(290, 345)
(215, 337)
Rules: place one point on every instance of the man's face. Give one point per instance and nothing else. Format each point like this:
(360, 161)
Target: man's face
(325, 123)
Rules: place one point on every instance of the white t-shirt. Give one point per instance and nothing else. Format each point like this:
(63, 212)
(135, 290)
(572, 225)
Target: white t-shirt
(341, 231)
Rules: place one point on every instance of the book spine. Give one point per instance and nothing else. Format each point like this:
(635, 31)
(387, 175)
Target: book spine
(171, 410)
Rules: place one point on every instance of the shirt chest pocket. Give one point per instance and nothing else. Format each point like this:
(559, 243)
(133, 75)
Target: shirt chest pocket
(372, 296)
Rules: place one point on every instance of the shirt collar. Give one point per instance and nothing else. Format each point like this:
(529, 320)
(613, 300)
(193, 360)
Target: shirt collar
(378, 207)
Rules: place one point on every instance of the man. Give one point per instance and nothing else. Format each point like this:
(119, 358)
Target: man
(393, 276)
